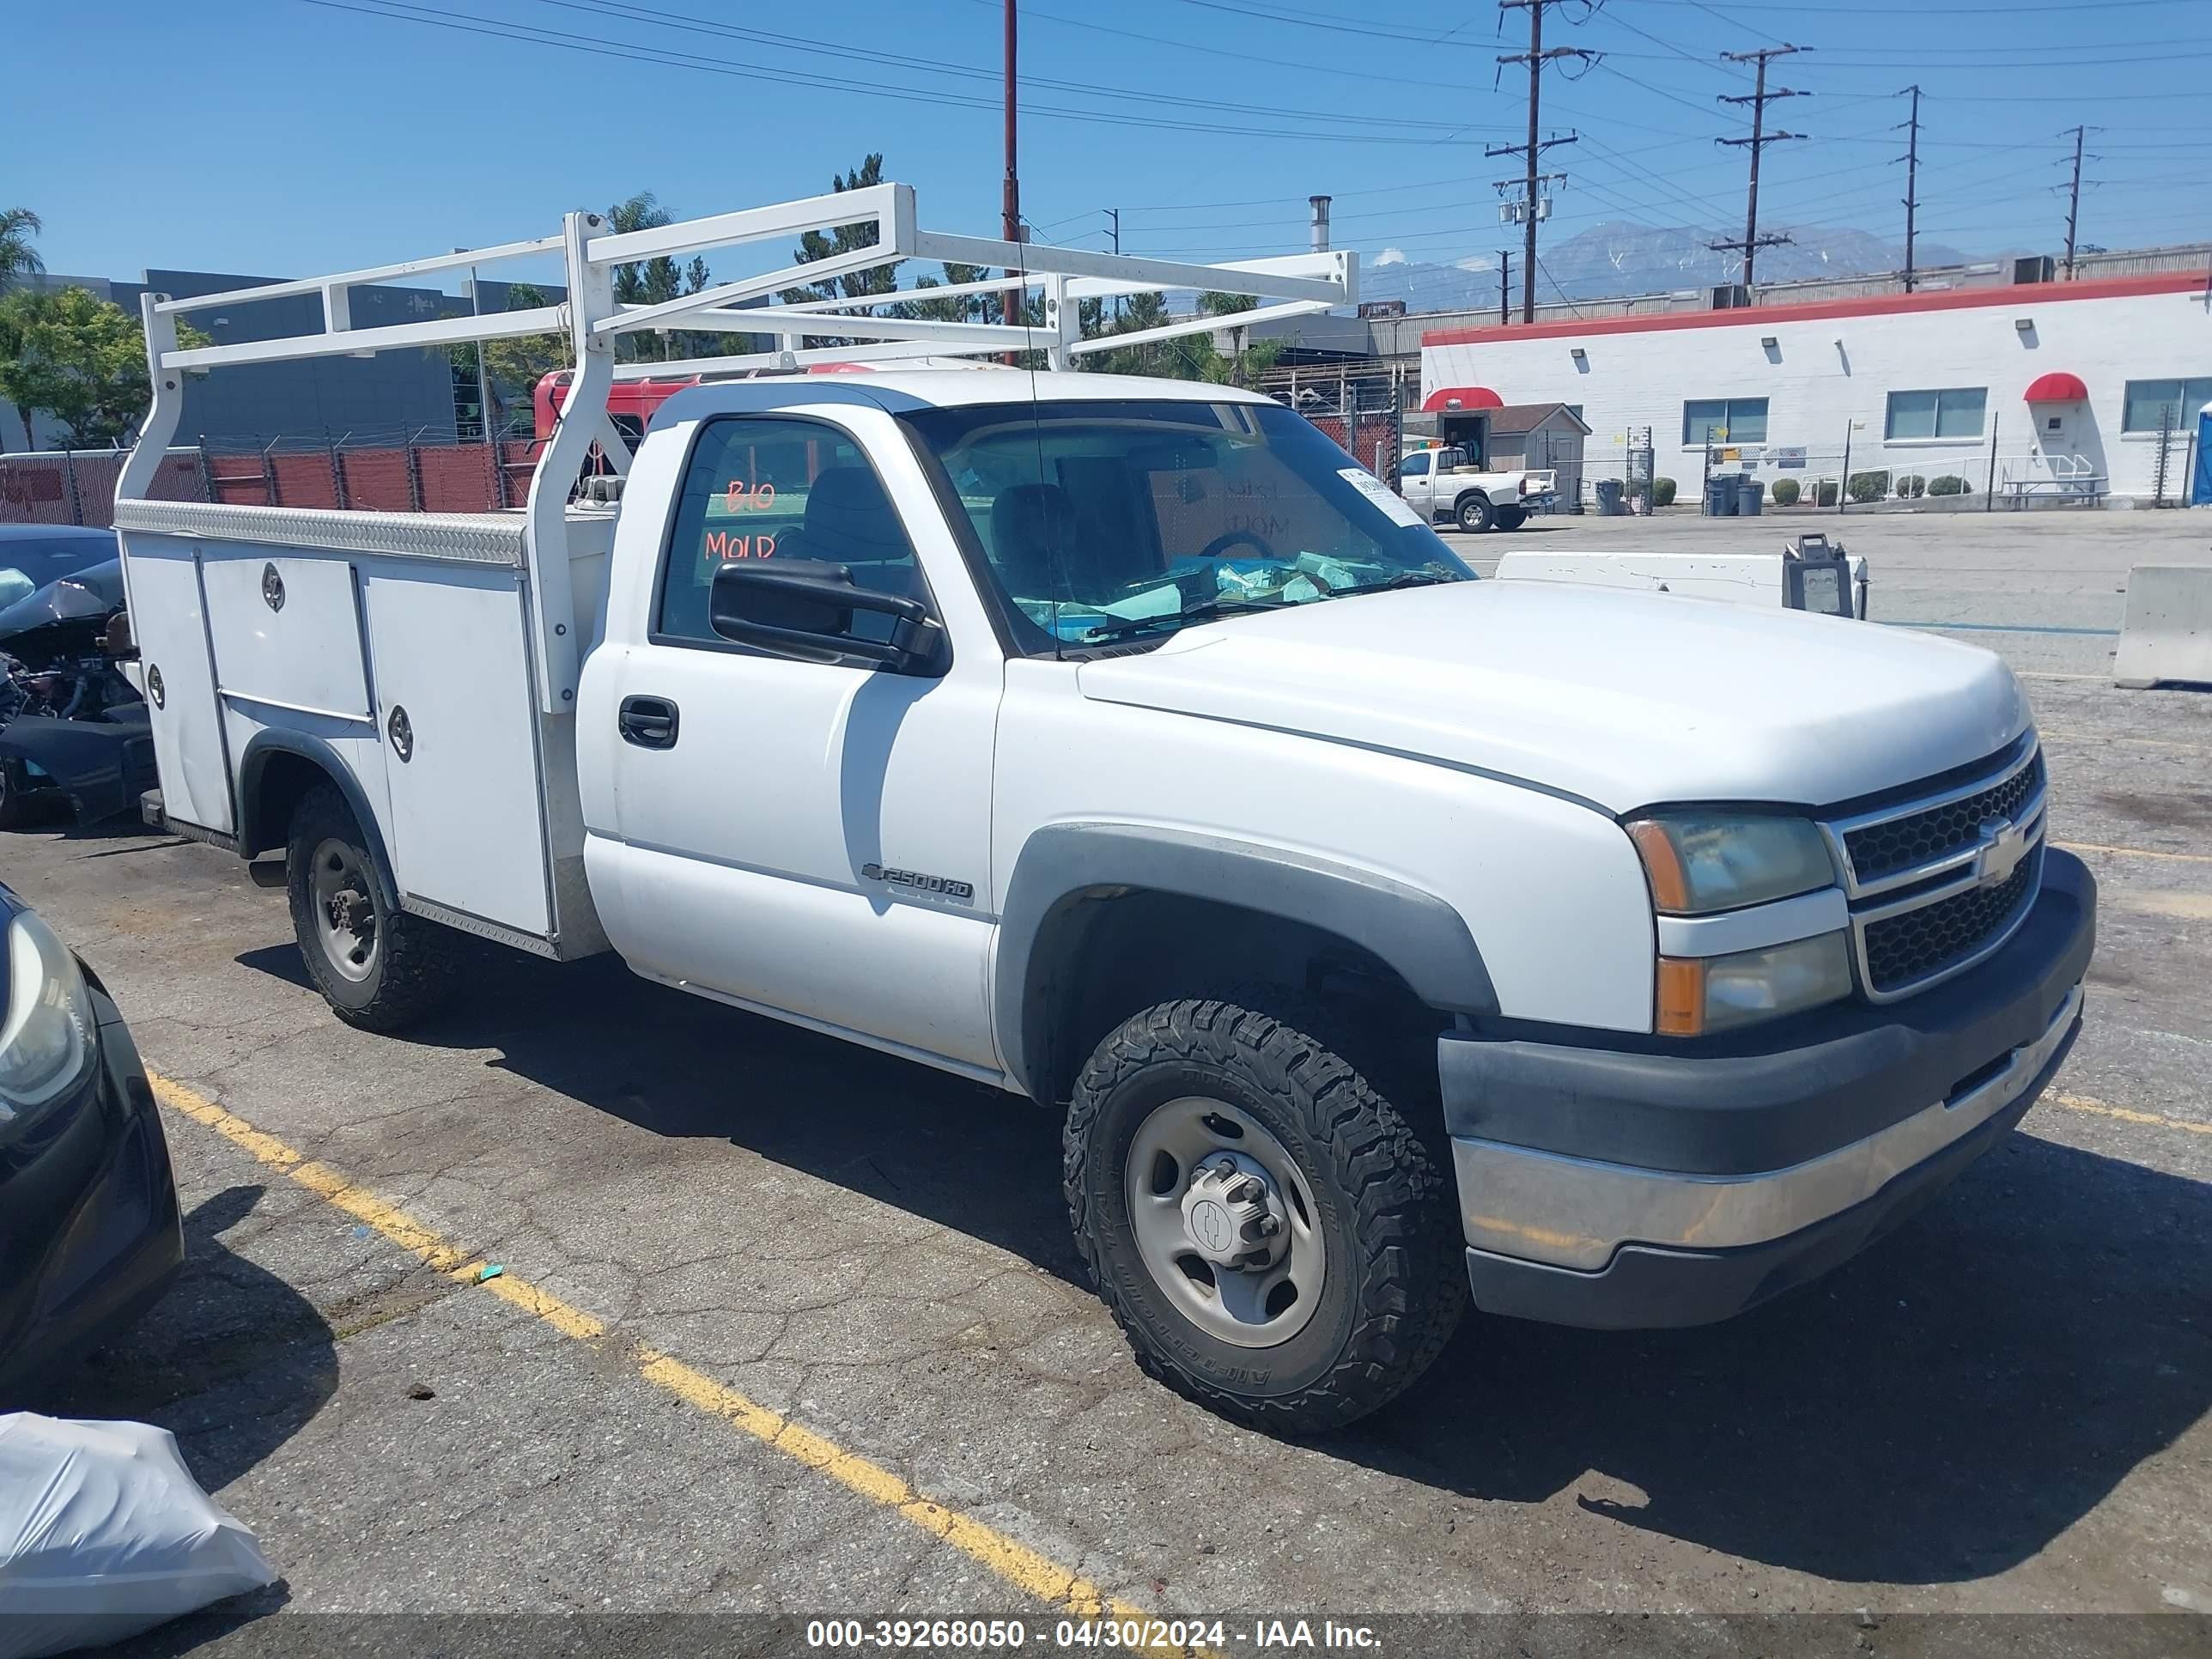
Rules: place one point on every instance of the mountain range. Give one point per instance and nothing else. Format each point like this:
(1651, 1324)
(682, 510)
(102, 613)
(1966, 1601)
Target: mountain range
(1620, 258)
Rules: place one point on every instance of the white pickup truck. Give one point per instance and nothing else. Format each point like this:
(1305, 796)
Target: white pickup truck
(1386, 937)
(1445, 486)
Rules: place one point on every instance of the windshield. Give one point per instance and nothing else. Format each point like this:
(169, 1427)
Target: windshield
(1104, 520)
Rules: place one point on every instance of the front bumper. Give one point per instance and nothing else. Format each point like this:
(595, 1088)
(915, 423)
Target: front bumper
(90, 1232)
(1648, 1184)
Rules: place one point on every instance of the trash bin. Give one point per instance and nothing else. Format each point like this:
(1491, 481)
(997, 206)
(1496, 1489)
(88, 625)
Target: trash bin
(1609, 493)
(1720, 496)
(1750, 493)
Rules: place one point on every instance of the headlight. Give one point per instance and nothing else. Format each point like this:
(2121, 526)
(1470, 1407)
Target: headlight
(1698, 994)
(1702, 861)
(47, 1034)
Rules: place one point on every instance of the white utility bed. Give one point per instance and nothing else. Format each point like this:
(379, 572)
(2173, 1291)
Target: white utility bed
(401, 642)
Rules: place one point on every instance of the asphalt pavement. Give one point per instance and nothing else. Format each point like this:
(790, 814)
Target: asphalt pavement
(783, 1325)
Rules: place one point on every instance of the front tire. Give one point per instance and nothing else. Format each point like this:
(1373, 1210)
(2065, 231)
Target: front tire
(1475, 514)
(380, 969)
(1271, 1236)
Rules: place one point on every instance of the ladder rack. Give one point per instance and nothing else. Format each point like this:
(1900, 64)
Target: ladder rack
(591, 320)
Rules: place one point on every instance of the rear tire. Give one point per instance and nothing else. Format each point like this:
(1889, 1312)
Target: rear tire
(1475, 514)
(1511, 518)
(380, 969)
(1191, 1089)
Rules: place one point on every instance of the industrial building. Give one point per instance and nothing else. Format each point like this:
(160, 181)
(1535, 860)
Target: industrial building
(2033, 391)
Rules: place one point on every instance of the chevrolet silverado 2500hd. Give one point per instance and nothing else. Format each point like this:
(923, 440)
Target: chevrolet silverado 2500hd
(1386, 936)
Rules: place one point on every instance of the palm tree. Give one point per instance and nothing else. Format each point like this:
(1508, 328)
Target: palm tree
(17, 256)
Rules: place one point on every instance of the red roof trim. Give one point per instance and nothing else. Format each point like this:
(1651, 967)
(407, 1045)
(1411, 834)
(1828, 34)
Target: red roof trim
(1814, 311)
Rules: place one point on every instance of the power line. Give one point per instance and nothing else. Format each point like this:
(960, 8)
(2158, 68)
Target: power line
(466, 23)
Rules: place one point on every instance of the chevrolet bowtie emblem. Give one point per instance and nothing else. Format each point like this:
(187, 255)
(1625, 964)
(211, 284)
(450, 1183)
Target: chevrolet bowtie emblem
(2004, 844)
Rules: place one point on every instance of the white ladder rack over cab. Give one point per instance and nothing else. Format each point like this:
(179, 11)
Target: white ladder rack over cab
(1294, 284)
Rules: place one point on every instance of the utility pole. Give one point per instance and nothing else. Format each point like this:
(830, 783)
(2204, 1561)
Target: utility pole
(1115, 214)
(1505, 285)
(1535, 58)
(1759, 99)
(1912, 181)
(1010, 211)
(2074, 199)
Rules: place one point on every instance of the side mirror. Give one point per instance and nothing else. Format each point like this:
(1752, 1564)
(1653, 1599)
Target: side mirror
(802, 608)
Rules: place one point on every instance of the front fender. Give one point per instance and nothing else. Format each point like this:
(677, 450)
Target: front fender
(1418, 935)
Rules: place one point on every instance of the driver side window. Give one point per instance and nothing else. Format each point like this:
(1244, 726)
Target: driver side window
(761, 487)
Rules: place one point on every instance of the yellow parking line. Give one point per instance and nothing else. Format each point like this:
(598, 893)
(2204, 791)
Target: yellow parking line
(1017, 1563)
(2152, 1119)
(2133, 852)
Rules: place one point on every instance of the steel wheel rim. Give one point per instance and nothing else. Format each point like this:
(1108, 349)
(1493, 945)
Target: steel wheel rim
(345, 913)
(1248, 1308)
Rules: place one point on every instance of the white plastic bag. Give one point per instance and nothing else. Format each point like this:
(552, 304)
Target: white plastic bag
(104, 1533)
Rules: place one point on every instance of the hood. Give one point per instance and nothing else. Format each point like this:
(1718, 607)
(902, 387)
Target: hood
(1623, 699)
(92, 595)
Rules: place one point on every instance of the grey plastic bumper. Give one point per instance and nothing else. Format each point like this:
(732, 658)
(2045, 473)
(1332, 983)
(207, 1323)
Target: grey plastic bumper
(1650, 1186)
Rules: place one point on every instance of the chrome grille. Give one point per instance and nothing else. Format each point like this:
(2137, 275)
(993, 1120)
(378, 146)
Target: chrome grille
(1938, 882)
(1894, 844)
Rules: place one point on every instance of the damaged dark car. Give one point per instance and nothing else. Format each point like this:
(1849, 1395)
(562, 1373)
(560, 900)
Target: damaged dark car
(75, 740)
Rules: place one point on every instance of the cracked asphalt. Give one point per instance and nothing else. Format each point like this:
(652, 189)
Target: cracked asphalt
(2001, 1408)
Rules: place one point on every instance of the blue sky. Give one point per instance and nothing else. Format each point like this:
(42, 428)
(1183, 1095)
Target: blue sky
(284, 137)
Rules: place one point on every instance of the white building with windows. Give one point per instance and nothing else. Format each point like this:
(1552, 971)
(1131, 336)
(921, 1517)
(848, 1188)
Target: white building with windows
(2039, 390)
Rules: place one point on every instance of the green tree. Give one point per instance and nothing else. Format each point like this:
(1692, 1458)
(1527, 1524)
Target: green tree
(18, 225)
(80, 359)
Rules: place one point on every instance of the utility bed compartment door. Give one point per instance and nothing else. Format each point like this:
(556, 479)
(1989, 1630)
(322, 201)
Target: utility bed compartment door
(455, 705)
(168, 616)
(287, 634)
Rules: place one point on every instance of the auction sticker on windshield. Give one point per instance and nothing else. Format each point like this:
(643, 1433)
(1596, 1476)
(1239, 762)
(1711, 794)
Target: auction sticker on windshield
(1379, 493)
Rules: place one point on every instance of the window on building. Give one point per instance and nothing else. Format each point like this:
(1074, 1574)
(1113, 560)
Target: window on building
(1724, 421)
(2173, 403)
(1951, 412)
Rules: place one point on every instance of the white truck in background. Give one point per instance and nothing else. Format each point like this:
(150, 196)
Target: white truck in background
(1446, 486)
(1386, 936)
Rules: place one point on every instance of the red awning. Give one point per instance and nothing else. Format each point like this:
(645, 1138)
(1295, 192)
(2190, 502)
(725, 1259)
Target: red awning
(1458, 399)
(2057, 389)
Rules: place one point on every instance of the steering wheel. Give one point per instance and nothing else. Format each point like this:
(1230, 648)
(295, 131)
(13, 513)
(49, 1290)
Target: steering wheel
(1228, 538)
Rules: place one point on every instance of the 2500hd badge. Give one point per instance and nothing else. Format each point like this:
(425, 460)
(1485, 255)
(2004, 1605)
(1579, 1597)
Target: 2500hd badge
(963, 892)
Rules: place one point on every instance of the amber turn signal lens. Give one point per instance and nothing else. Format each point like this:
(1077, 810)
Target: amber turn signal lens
(1670, 886)
(1681, 1004)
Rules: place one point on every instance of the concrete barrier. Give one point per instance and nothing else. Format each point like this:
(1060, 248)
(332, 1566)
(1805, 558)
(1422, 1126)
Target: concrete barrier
(2167, 636)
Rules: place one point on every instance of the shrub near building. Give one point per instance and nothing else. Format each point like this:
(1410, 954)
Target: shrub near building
(1786, 492)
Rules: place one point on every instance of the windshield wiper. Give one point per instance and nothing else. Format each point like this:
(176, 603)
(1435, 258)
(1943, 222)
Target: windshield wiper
(1198, 610)
(1403, 579)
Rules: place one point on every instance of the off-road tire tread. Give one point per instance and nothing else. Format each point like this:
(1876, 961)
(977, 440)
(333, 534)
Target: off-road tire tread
(422, 961)
(1410, 1268)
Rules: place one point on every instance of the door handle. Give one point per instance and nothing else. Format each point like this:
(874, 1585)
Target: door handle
(648, 722)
